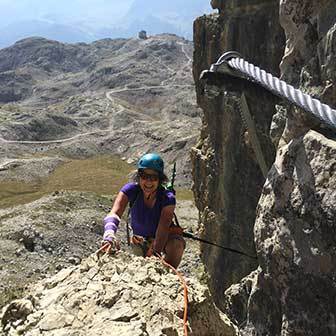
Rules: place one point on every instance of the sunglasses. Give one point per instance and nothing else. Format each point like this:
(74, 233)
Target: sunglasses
(149, 177)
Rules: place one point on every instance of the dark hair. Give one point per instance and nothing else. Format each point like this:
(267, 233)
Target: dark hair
(135, 177)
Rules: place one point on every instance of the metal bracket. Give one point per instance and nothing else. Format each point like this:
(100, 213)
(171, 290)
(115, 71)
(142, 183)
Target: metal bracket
(222, 66)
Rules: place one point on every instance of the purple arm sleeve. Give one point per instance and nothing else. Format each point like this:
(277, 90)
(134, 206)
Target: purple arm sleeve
(111, 224)
(110, 221)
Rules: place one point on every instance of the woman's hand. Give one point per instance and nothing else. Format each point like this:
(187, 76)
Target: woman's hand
(110, 244)
(161, 235)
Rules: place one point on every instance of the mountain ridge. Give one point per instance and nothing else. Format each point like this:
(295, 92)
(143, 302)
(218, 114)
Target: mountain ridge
(88, 98)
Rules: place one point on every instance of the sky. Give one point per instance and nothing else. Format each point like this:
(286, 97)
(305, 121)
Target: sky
(62, 11)
(88, 20)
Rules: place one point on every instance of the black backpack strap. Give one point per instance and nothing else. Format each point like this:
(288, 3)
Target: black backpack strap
(131, 203)
(176, 223)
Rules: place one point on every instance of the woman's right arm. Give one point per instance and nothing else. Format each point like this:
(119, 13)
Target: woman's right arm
(112, 220)
(119, 204)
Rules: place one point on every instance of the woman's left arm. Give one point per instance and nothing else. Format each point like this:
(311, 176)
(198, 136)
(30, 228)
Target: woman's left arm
(162, 232)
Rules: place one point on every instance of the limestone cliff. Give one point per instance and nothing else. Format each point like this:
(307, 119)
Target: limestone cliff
(228, 181)
(292, 290)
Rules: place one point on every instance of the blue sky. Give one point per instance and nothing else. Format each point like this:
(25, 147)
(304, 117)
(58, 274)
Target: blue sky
(62, 11)
(88, 20)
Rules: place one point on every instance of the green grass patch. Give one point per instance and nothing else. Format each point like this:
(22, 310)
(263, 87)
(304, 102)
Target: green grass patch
(103, 175)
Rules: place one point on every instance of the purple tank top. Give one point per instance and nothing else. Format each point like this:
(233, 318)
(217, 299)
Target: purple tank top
(144, 220)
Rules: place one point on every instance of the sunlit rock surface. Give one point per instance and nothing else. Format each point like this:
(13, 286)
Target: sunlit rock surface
(293, 291)
(115, 295)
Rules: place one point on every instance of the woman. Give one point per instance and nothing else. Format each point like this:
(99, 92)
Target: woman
(152, 212)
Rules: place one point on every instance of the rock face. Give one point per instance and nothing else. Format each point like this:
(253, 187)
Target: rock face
(292, 290)
(308, 60)
(227, 178)
(117, 295)
(295, 240)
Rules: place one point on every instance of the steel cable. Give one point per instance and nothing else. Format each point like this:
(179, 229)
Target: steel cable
(284, 90)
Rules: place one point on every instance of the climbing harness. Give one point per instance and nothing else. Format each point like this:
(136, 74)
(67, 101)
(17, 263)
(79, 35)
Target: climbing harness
(231, 63)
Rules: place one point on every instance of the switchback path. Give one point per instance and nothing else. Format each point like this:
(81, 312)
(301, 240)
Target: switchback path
(112, 100)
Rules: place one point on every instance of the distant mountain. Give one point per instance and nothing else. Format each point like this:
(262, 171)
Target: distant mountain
(125, 96)
(155, 17)
(53, 31)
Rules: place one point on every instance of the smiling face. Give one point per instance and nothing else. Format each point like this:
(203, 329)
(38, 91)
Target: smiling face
(149, 181)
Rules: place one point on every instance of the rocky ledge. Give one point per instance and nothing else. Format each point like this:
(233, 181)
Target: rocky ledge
(115, 295)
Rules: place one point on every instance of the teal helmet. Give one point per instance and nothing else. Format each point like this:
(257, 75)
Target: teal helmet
(151, 161)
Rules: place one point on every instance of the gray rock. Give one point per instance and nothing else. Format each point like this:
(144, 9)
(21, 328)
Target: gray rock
(16, 312)
(227, 178)
(95, 298)
(293, 290)
(142, 35)
(28, 239)
(74, 260)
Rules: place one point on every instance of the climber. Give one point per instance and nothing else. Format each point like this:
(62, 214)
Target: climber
(152, 211)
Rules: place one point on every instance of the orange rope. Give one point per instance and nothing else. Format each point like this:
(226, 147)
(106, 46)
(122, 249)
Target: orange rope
(107, 247)
(102, 248)
(185, 292)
